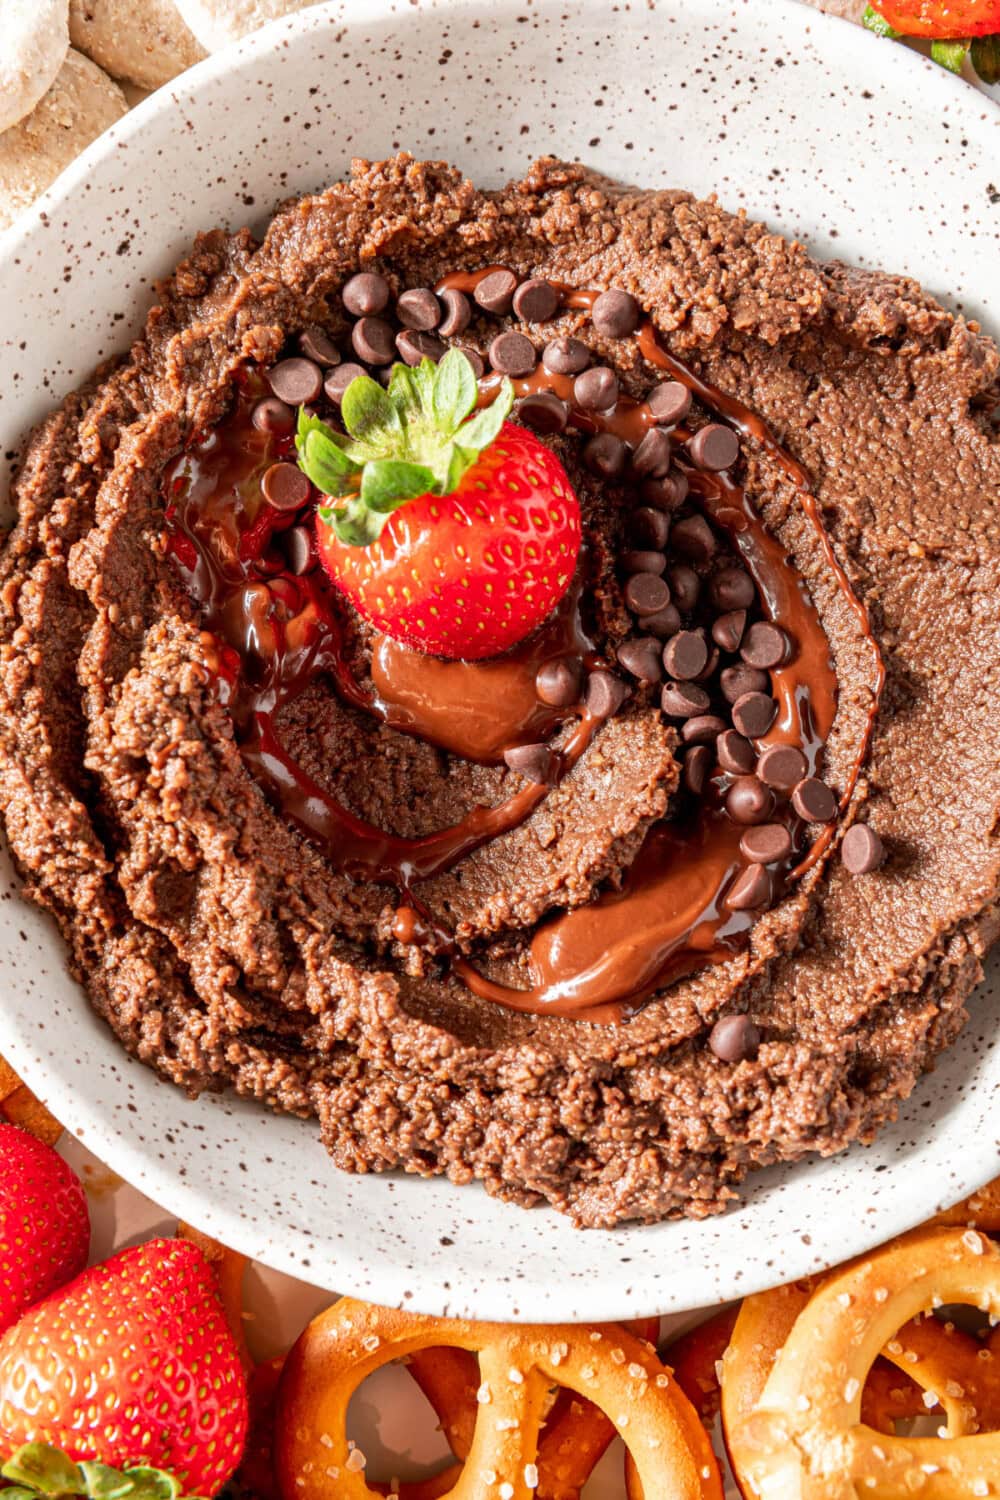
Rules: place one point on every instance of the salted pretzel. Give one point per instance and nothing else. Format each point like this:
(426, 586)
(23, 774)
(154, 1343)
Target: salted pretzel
(18, 1106)
(981, 1210)
(804, 1436)
(518, 1366)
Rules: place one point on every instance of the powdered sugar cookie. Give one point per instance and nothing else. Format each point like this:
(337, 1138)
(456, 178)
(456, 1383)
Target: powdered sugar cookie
(143, 41)
(81, 103)
(35, 41)
(218, 22)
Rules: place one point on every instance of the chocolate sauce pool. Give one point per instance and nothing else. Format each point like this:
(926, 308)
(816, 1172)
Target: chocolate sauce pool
(277, 632)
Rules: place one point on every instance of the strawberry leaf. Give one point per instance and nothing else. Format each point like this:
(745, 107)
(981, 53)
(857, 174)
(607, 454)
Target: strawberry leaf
(152, 1484)
(455, 390)
(388, 483)
(326, 464)
(102, 1483)
(353, 523)
(368, 414)
(877, 23)
(985, 54)
(480, 431)
(44, 1469)
(950, 54)
(461, 459)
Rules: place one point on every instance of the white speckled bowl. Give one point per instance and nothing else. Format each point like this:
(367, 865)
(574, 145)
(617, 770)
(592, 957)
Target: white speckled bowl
(864, 149)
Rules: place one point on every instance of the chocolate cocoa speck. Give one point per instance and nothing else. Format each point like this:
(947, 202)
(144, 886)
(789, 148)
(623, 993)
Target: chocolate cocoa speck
(543, 411)
(735, 753)
(274, 416)
(285, 486)
(651, 459)
(534, 762)
(316, 344)
(732, 588)
(605, 694)
(714, 447)
(734, 1039)
(749, 801)
(558, 683)
(738, 680)
(418, 309)
(641, 657)
(615, 314)
(862, 851)
(664, 623)
(685, 655)
(669, 402)
(645, 594)
(605, 454)
(694, 538)
(295, 380)
(697, 765)
(685, 586)
(374, 341)
(753, 714)
(644, 562)
(766, 844)
(495, 293)
(682, 700)
(765, 646)
(702, 728)
(297, 545)
(649, 528)
(413, 346)
(814, 801)
(727, 630)
(596, 389)
(366, 294)
(457, 312)
(782, 767)
(535, 300)
(565, 356)
(338, 380)
(512, 353)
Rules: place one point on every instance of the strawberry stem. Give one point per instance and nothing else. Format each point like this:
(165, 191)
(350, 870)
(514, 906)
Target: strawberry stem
(38, 1469)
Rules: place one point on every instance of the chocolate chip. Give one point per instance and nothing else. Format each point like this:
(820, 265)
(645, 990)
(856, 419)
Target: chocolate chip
(750, 890)
(862, 850)
(535, 300)
(669, 402)
(641, 657)
(457, 313)
(731, 588)
(318, 345)
(735, 681)
(475, 360)
(558, 683)
(702, 728)
(596, 389)
(418, 309)
(782, 766)
(651, 458)
(543, 411)
(685, 654)
(373, 341)
(649, 527)
(644, 562)
(749, 801)
(297, 546)
(693, 537)
(338, 380)
(727, 630)
(615, 314)
(285, 486)
(512, 353)
(682, 700)
(605, 694)
(645, 594)
(533, 762)
(366, 294)
(685, 586)
(766, 844)
(605, 454)
(413, 347)
(295, 380)
(813, 800)
(496, 291)
(565, 356)
(753, 714)
(735, 753)
(765, 645)
(272, 415)
(714, 447)
(697, 764)
(734, 1039)
(664, 623)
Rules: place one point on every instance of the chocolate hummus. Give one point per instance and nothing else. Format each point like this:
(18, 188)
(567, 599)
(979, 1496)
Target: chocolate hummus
(695, 879)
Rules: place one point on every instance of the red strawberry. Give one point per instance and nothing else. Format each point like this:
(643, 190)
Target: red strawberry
(456, 536)
(941, 18)
(131, 1364)
(44, 1224)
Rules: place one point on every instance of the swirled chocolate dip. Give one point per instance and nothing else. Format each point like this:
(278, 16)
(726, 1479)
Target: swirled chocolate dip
(572, 920)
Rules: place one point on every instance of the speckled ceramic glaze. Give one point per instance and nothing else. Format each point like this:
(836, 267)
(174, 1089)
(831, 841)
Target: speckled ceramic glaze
(866, 151)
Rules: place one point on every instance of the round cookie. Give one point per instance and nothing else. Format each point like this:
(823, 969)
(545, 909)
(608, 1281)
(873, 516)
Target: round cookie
(81, 103)
(35, 43)
(217, 22)
(143, 41)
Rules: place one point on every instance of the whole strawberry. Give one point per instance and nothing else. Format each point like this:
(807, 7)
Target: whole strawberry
(131, 1364)
(44, 1224)
(456, 534)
